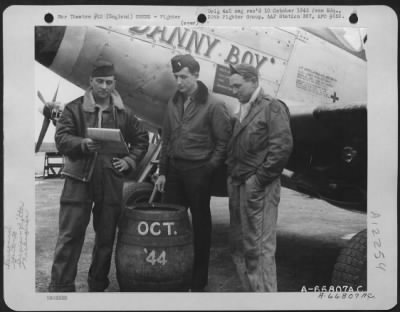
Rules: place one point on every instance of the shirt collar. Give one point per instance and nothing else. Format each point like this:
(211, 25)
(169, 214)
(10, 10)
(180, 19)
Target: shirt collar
(190, 97)
(254, 95)
(244, 108)
(199, 96)
(89, 103)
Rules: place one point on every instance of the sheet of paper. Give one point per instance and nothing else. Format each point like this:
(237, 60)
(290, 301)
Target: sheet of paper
(104, 134)
(112, 140)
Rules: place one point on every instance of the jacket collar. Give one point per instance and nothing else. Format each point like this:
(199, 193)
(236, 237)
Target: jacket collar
(89, 103)
(261, 95)
(245, 107)
(256, 95)
(200, 96)
(255, 108)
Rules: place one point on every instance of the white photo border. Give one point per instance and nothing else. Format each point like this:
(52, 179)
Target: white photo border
(19, 87)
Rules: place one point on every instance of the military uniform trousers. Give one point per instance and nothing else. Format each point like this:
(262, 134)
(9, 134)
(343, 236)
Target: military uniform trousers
(253, 217)
(188, 184)
(102, 197)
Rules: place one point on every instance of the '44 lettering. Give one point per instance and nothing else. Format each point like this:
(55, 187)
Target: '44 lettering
(153, 259)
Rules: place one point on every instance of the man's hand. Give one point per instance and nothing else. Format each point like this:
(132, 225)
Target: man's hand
(91, 145)
(120, 164)
(160, 183)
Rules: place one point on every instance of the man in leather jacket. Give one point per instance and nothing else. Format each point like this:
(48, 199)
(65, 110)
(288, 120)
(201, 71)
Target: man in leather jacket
(93, 180)
(258, 151)
(195, 133)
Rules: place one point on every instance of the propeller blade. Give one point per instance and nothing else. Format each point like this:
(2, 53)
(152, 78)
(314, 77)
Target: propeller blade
(47, 112)
(40, 96)
(55, 94)
(43, 131)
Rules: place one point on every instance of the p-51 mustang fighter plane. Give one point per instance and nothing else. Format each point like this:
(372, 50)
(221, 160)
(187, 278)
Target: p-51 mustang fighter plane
(320, 73)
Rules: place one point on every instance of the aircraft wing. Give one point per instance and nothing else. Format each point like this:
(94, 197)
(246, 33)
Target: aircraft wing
(329, 159)
(350, 116)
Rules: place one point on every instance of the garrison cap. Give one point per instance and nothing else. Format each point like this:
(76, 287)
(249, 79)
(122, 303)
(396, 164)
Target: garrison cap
(184, 60)
(103, 68)
(244, 70)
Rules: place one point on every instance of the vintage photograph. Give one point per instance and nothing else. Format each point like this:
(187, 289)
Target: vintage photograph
(200, 159)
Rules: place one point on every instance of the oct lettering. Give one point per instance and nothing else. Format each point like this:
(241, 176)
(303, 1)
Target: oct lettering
(155, 228)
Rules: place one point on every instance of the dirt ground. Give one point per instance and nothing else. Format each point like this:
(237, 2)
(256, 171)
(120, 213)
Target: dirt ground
(310, 235)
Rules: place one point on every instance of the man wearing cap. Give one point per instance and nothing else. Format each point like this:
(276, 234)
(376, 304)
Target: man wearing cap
(195, 133)
(93, 181)
(258, 151)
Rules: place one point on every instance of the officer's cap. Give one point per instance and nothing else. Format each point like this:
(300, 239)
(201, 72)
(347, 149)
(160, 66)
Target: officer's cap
(103, 68)
(181, 61)
(244, 70)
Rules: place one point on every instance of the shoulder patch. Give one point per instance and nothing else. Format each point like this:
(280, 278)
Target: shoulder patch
(274, 103)
(284, 106)
(275, 106)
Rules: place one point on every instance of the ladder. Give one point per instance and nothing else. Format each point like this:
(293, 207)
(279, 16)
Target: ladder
(53, 164)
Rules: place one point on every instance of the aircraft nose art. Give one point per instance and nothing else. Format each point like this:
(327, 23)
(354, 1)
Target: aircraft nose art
(47, 43)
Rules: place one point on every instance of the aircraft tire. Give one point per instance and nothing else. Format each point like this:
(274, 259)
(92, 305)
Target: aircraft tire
(351, 267)
(134, 192)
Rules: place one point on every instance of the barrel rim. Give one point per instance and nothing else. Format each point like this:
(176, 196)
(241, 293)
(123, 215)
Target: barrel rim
(126, 238)
(155, 205)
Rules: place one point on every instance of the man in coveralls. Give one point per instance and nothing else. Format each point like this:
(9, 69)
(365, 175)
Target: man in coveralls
(195, 133)
(93, 181)
(258, 151)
